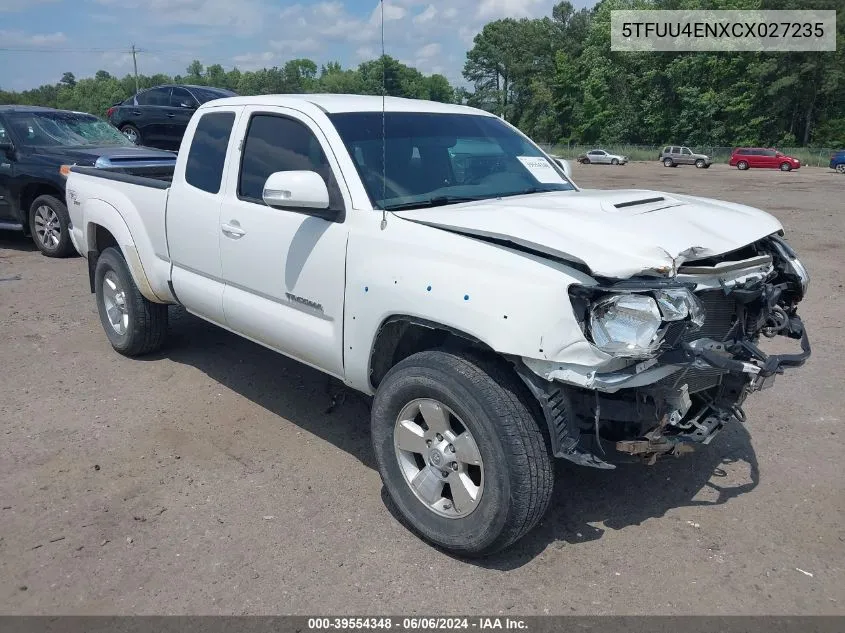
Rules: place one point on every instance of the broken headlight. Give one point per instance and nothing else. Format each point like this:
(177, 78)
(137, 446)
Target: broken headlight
(632, 324)
(626, 325)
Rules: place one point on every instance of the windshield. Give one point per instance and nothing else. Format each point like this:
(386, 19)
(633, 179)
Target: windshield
(204, 95)
(436, 159)
(64, 129)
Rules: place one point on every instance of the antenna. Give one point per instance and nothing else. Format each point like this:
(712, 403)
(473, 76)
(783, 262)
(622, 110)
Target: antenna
(383, 125)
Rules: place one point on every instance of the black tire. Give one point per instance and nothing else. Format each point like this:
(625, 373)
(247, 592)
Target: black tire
(742, 165)
(491, 404)
(41, 230)
(668, 162)
(785, 166)
(614, 161)
(585, 161)
(706, 166)
(130, 131)
(700, 163)
(147, 321)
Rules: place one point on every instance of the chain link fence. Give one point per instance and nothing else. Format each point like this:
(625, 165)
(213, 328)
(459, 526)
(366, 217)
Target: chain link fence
(812, 156)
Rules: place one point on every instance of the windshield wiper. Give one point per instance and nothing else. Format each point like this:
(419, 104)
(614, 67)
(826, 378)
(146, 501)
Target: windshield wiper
(436, 201)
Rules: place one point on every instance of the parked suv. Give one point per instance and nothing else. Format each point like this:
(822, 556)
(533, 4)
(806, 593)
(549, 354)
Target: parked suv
(674, 155)
(746, 157)
(837, 161)
(159, 116)
(37, 146)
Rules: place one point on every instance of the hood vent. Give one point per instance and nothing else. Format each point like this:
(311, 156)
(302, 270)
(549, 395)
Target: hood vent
(634, 203)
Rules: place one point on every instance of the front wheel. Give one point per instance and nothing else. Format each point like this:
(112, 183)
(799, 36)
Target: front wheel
(49, 225)
(614, 161)
(133, 324)
(742, 165)
(785, 167)
(460, 451)
(585, 161)
(700, 164)
(841, 168)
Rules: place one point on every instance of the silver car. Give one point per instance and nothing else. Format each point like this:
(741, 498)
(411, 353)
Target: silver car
(603, 157)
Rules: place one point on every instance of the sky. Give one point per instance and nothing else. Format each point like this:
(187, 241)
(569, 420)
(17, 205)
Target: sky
(41, 39)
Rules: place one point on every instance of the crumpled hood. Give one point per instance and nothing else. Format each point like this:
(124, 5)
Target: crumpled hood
(615, 233)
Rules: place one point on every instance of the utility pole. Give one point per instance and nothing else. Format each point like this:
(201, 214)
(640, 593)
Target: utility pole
(135, 63)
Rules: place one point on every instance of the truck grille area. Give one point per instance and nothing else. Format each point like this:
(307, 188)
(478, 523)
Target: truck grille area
(719, 317)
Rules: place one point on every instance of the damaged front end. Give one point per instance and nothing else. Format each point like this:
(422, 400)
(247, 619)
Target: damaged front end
(683, 354)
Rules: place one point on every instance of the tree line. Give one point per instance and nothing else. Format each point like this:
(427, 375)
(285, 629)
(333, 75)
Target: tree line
(96, 94)
(557, 79)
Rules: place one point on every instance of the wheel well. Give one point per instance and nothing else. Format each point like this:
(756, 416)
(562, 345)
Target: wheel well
(399, 337)
(31, 191)
(102, 239)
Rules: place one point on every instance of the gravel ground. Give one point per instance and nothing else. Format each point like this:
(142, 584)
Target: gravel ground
(213, 478)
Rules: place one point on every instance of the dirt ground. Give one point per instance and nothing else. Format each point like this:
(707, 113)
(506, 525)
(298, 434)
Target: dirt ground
(210, 479)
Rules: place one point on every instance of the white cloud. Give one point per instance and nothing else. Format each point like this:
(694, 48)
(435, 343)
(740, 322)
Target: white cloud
(492, 9)
(392, 12)
(450, 13)
(366, 53)
(429, 50)
(19, 38)
(244, 17)
(19, 5)
(254, 61)
(329, 9)
(427, 15)
(306, 45)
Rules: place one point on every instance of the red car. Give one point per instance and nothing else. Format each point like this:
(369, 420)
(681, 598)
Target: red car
(745, 157)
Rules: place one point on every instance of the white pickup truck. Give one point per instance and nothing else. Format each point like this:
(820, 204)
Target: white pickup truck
(432, 256)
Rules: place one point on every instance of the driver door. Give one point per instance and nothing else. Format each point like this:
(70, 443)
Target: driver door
(284, 270)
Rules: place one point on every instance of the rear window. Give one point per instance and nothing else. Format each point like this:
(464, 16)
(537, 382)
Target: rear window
(207, 156)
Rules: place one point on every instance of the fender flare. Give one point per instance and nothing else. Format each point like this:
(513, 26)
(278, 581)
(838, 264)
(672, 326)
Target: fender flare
(100, 213)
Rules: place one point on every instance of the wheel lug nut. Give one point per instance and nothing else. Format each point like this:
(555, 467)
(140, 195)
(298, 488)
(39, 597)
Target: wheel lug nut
(454, 465)
(428, 442)
(439, 437)
(451, 448)
(444, 473)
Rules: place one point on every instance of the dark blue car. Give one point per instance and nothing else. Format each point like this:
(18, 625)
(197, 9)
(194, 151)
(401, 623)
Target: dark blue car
(837, 161)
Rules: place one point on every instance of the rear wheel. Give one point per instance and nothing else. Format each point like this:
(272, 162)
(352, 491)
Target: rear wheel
(49, 225)
(132, 133)
(742, 165)
(133, 324)
(785, 166)
(460, 451)
(668, 162)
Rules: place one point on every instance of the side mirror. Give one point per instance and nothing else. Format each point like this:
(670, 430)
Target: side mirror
(565, 166)
(297, 190)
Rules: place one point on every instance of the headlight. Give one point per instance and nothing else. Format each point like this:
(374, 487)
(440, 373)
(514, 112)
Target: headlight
(626, 325)
(676, 304)
(633, 324)
(800, 271)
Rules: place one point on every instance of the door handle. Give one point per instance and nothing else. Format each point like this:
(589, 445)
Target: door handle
(136, 112)
(171, 115)
(233, 231)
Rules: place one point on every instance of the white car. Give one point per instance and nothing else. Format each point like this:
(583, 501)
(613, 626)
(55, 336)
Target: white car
(602, 157)
(433, 257)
